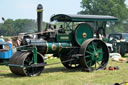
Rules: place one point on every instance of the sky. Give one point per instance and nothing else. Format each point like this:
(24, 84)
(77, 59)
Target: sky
(22, 9)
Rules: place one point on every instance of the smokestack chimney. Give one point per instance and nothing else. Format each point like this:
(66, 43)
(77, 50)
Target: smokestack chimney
(39, 18)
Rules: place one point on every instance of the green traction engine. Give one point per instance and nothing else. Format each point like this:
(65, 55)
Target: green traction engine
(72, 41)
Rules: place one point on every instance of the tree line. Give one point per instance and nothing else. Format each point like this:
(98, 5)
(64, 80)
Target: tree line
(12, 27)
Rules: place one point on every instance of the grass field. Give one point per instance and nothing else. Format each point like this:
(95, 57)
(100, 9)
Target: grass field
(58, 75)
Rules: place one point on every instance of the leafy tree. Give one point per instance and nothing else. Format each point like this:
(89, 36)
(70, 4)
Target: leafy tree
(24, 25)
(3, 30)
(115, 8)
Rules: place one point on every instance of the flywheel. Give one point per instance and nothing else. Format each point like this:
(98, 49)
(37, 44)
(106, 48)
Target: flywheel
(83, 32)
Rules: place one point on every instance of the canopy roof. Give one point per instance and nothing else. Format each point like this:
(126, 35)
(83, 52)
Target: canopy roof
(81, 18)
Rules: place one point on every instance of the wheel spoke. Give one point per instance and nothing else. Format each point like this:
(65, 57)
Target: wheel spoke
(87, 56)
(98, 63)
(94, 49)
(90, 48)
(100, 57)
(100, 50)
(88, 61)
(100, 54)
(89, 53)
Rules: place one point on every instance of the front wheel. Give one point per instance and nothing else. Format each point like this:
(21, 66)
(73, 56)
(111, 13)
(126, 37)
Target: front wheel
(21, 62)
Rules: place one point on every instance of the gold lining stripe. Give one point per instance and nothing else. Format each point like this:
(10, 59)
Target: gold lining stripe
(40, 10)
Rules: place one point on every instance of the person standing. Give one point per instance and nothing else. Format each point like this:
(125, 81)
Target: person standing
(1, 39)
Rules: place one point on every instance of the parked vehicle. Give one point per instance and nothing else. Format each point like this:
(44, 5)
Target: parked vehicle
(119, 42)
(5, 52)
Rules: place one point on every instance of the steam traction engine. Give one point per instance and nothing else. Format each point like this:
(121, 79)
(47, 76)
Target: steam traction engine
(72, 42)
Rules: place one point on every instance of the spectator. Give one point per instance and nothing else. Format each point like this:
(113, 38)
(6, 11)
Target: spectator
(9, 41)
(18, 41)
(1, 39)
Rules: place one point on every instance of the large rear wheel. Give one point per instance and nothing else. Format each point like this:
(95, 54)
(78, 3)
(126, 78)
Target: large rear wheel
(95, 55)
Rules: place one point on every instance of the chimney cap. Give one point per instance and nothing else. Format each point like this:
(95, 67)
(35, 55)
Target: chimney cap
(39, 6)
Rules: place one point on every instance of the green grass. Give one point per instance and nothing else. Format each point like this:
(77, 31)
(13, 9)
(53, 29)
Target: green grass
(58, 75)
